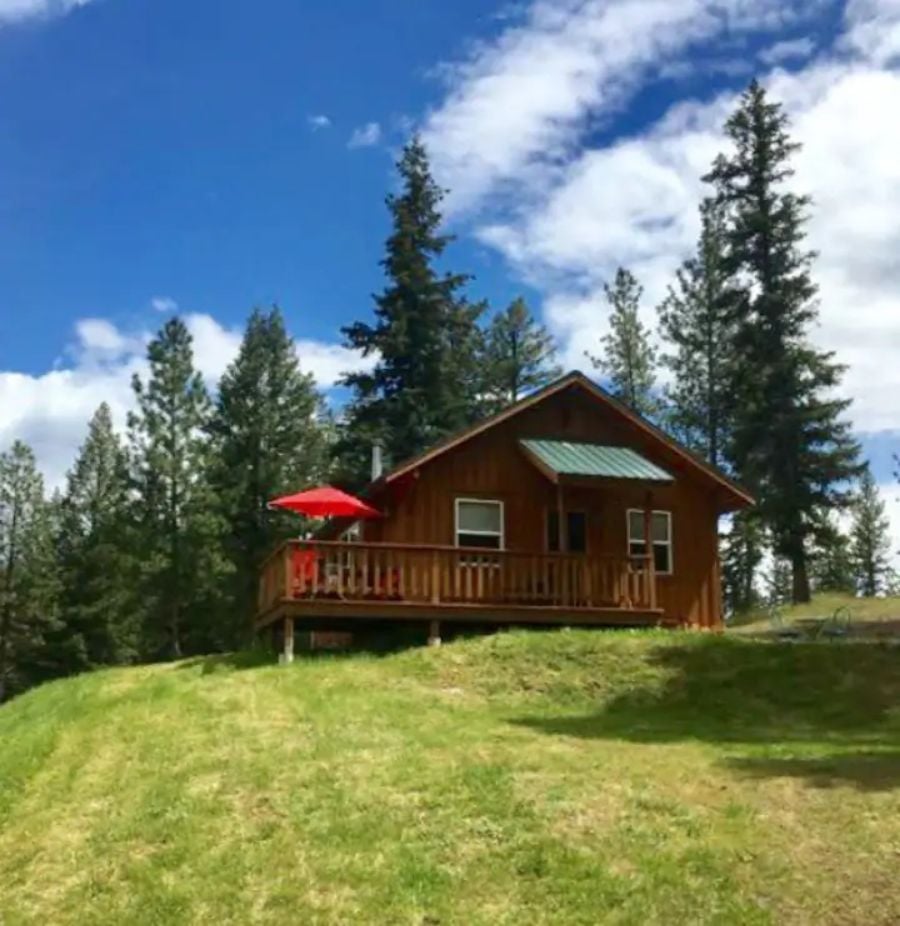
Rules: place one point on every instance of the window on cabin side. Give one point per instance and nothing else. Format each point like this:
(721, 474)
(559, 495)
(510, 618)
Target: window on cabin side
(661, 531)
(479, 523)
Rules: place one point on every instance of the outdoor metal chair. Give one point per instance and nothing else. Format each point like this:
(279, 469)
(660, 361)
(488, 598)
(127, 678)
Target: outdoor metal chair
(780, 629)
(837, 627)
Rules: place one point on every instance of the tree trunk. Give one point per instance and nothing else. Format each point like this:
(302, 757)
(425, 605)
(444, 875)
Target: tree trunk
(800, 578)
(176, 632)
(4, 650)
(6, 616)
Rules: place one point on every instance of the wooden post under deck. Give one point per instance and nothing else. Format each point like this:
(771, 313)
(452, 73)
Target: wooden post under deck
(434, 633)
(651, 561)
(288, 655)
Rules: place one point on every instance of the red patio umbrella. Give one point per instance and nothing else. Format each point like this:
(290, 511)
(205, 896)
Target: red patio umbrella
(325, 502)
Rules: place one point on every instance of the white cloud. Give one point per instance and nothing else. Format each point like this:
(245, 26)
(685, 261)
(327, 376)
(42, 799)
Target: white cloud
(365, 136)
(99, 338)
(17, 10)
(788, 50)
(317, 122)
(214, 345)
(517, 107)
(514, 137)
(50, 411)
(163, 304)
(328, 362)
(873, 29)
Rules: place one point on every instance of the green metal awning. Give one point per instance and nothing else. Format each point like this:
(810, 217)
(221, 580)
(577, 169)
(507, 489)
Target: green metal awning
(568, 458)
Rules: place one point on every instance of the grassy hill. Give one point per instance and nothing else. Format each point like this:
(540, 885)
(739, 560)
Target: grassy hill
(568, 777)
(870, 618)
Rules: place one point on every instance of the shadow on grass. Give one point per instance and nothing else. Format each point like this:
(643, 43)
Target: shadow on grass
(836, 700)
(374, 645)
(866, 771)
(217, 662)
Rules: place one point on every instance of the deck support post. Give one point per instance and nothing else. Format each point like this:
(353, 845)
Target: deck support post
(287, 656)
(434, 633)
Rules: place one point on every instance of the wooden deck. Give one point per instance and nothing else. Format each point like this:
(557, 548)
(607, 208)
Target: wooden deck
(336, 580)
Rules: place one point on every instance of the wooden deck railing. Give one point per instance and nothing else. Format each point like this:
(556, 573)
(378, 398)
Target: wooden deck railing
(443, 575)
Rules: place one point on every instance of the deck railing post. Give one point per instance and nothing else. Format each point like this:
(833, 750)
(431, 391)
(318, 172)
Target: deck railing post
(435, 577)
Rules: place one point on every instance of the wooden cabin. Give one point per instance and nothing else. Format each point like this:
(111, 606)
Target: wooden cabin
(565, 508)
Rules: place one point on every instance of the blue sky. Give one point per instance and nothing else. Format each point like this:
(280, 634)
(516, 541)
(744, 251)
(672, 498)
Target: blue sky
(158, 147)
(212, 156)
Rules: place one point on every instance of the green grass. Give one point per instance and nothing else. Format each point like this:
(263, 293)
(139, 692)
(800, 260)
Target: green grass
(870, 617)
(542, 778)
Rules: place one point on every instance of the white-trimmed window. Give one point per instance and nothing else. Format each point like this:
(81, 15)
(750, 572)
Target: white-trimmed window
(661, 535)
(479, 523)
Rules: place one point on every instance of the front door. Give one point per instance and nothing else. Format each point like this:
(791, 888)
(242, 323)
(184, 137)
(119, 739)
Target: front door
(574, 532)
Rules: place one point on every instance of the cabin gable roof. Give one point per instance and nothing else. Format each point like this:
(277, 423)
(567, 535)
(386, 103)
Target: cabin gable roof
(734, 496)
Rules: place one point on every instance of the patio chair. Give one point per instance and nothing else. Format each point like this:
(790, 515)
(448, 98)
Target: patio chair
(837, 627)
(780, 629)
(304, 565)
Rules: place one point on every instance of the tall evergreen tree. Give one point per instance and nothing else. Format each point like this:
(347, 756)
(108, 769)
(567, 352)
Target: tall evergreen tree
(425, 335)
(181, 530)
(743, 550)
(778, 582)
(95, 555)
(791, 443)
(831, 563)
(628, 359)
(870, 539)
(697, 319)
(27, 580)
(269, 440)
(519, 356)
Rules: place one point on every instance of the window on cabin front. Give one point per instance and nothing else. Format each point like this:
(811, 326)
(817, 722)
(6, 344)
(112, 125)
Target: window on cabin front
(661, 533)
(479, 523)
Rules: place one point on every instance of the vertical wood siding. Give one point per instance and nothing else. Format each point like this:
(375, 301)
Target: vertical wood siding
(492, 466)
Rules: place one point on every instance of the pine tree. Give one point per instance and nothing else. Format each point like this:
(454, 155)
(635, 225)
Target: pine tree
(743, 549)
(425, 336)
(519, 356)
(97, 569)
(870, 539)
(778, 580)
(28, 590)
(181, 530)
(269, 441)
(791, 444)
(628, 359)
(831, 566)
(697, 319)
